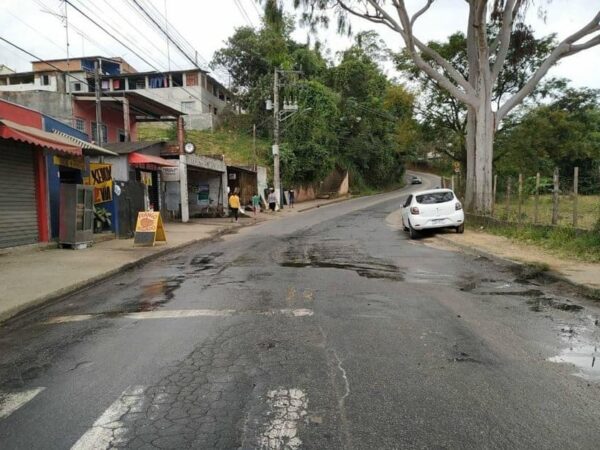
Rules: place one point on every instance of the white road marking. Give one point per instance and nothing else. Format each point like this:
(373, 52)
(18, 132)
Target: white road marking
(108, 430)
(286, 408)
(11, 401)
(176, 314)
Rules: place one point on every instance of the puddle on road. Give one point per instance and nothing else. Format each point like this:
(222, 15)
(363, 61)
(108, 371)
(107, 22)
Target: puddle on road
(153, 295)
(585, 357)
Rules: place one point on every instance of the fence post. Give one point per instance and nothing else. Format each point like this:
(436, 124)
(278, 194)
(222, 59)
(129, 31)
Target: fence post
(555, 198)
(442, 185)
(452, 182)
(537, 198)
(520, 197)
(508, 186)
(575, 193)
(494, 189)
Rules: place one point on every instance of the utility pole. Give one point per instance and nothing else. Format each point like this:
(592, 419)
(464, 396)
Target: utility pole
(276, 174)
(98, 102)
(67, 78)
(254, 145)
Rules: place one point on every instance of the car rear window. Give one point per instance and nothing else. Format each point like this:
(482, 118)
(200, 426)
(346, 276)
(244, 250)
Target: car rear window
(435, 197)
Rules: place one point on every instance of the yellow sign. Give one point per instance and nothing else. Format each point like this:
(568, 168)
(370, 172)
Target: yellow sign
(149, 229)
(101, 178)
(72, 163)
(146, 178)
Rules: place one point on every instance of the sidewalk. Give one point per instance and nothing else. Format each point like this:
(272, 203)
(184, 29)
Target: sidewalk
(29, 278)
(584, 276)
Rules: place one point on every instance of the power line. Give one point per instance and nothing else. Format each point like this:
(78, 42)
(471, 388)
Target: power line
(58, 69)
(243, 12)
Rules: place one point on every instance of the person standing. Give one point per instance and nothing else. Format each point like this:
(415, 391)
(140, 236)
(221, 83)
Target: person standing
(234, 204)
(292, 197)
(255, 202)
(272, 200)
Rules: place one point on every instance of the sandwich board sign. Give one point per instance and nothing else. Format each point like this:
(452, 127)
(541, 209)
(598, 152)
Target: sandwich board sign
(149, 229)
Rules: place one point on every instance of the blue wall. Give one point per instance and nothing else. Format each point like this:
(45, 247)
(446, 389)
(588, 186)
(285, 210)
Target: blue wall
(50, 124)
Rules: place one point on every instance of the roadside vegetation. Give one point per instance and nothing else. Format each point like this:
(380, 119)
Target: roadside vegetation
(562, 241)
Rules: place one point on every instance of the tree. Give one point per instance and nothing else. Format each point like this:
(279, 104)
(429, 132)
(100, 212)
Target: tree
(486, 62)
(443, 117)
(564, 133)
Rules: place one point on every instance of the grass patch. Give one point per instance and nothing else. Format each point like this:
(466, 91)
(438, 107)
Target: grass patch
(588, 210)
(567, 242)
(237, 147)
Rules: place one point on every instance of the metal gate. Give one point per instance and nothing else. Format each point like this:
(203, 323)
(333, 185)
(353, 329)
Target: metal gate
(18, 207)
(131, 201)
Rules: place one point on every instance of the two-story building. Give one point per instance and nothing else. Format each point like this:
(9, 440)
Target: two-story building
(52, 84)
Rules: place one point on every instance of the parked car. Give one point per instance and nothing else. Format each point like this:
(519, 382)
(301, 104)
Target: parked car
(415, 180)
(436, 208)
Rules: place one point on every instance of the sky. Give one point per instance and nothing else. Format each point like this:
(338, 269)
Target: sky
(37, 26)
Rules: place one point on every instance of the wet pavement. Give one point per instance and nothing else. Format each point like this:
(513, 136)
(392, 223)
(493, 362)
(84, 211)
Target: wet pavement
(326, 330)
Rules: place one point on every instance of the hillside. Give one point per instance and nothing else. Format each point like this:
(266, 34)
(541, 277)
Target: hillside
(236, 146)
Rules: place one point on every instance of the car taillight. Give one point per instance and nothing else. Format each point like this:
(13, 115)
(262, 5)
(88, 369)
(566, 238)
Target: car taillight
(414, 210)
(458, 206)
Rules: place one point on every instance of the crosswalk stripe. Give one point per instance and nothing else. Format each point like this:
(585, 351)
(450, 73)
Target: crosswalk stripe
(11, 401)
(178, 314)
(106, 432)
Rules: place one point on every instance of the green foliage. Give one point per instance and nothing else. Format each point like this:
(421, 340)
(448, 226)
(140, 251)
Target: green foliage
(310, 140)
(563, 241)
(563, 134)
(357, 119)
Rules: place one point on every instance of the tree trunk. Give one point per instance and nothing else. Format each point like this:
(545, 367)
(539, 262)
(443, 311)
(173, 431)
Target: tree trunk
(470, 166)
(484, 156)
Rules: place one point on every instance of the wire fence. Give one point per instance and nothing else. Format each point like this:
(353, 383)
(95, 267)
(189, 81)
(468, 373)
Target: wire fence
(559, 199)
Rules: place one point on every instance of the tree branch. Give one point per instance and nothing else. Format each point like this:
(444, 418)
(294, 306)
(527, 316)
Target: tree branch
(504, 35)
(419, 13)
(566, 48)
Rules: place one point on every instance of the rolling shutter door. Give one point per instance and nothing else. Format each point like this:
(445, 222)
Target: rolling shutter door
(18, 208)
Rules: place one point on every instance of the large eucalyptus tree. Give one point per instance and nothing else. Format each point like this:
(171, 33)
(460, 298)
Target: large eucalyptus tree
(486, 61)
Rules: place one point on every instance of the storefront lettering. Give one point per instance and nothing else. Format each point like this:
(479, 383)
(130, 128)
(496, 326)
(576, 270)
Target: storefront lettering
(101, 179)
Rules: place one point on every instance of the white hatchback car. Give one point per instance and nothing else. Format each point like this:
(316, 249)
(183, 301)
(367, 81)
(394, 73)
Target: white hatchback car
(436, 208)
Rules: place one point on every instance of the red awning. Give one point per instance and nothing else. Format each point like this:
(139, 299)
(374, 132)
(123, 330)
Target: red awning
(141, 158)
(35, 136)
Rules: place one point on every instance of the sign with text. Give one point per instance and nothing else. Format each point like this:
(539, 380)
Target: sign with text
(72, 163)
(149, 229)
(170, 173)
(101, 178)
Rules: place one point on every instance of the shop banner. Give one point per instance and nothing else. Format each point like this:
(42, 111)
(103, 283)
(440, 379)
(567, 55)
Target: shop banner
(72, 163)
(101, 178)
(146, 178)
(203, 198)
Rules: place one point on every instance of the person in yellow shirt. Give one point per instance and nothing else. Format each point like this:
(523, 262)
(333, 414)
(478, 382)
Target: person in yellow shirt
(234, 204)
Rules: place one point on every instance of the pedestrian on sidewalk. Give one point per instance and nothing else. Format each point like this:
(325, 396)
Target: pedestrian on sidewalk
(272, 200)
(255, 203)
(234, 204)
(292, 197)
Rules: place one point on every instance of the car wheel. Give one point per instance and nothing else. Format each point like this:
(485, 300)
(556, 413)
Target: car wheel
(461, 228)
(414, 234)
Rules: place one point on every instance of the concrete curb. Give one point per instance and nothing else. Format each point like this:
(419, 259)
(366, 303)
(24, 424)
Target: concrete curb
(550, 275)
(32, 306)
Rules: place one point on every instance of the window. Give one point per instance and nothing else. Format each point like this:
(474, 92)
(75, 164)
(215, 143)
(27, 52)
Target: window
(45, 80)
(191, 79)
(122, 136)
(407, 202)
(104, 132)
(79, 124)
(76, 87)
(215, 111)
(435, 197)
(188, 107)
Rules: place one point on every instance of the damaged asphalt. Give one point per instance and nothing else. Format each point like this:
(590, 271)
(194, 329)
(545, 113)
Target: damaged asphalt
(328, 329)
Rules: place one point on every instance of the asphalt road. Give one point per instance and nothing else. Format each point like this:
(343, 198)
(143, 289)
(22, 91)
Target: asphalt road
(330, 329)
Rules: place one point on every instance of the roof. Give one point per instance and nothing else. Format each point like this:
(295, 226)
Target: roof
(76, 58)
(152, 109)
(35, 136)
(141, 158)
(431, 191)
(243, 169)
(88, 147)
(154, 72)
(123, 148)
